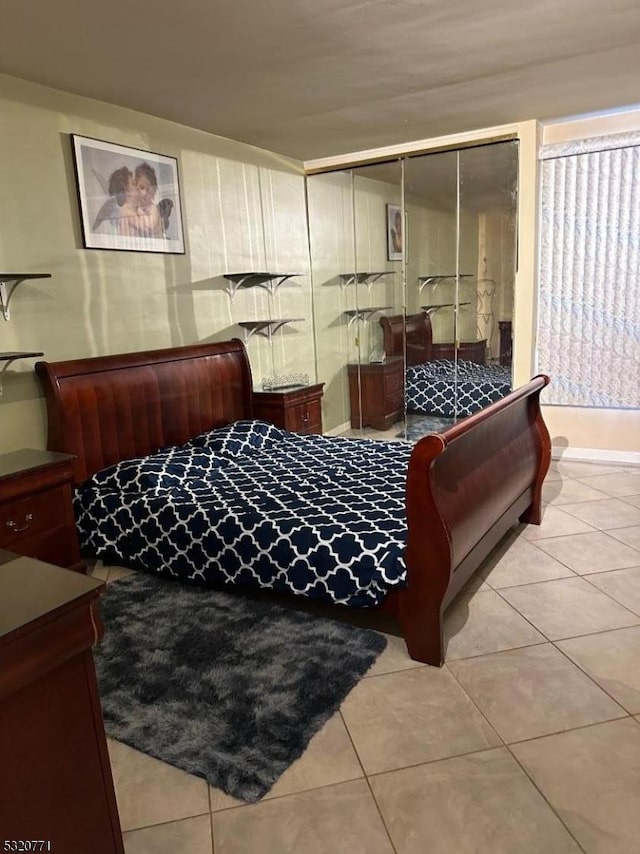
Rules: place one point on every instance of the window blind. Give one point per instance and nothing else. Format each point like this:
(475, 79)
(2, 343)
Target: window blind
(589, 277)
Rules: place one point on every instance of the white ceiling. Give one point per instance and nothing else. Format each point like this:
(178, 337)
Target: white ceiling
(314, 78)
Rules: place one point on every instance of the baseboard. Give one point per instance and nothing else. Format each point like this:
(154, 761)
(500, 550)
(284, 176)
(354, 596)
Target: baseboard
(595, 455)
(339, 430)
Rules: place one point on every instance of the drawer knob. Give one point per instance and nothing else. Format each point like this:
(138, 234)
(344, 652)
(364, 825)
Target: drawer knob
(23, 527)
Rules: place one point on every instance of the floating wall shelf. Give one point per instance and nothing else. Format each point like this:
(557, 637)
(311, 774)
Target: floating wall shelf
(364, 314)
(269, 281)
(9, 282)
(10, 357)
(266, 328)
(431, 309)
(436, 279)
(364, 278)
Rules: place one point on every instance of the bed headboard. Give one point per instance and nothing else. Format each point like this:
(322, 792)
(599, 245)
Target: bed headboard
(110, 408)
(411, 333)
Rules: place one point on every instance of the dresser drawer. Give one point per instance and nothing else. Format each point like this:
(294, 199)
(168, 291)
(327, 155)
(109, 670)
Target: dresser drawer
(58, 546)
(31, 515)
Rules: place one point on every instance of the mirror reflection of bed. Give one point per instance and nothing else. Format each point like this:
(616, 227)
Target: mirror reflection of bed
(440, 391)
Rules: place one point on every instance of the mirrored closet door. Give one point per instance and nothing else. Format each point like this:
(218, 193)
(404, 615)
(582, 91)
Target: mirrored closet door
(461, 225)
(413, 267)
(432, 290)
(357, 273)
(376, 377)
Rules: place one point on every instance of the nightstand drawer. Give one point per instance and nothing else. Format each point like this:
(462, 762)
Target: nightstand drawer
(298, 410)
(394, 391)
(26, 517)
(305, 417)
(378, 390)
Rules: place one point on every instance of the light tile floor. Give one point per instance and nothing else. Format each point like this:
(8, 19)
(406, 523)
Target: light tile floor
(525, 741)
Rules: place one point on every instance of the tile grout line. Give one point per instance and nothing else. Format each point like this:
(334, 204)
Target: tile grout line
(498, 651)
(168, 821)
(544, 797)
(589, 676)
(603, 530)
(213, 846)
(505, 745)
(533, 782)
(551, 581)
(364, 773)
(595, 586)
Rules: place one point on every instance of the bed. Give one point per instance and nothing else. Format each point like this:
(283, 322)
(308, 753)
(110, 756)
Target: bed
(440, 387)
(461, 490)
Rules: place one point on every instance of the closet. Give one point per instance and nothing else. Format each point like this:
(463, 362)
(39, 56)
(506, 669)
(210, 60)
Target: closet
(413, 264)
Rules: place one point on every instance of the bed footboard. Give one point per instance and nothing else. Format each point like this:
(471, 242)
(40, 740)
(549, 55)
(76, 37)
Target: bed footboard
(466, 488)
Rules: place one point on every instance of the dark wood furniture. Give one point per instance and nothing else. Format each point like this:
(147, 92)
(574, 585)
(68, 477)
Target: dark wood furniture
(506, 342)
(465, 488)
(296, 409)
(56, 783)
(36, 511)
(408, 336)
(469, 351)
(412, 335)
(376, 393)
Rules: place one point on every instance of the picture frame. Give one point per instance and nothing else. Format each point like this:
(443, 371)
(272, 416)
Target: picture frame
(395, 226)
(129, 198)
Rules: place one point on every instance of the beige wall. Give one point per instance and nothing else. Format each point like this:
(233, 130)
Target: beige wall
(600, 433)
(243, 209)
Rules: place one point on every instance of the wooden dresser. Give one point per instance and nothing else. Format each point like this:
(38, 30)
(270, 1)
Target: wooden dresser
(376, 393)
(56, 784)
(36, 510)
(296, 409)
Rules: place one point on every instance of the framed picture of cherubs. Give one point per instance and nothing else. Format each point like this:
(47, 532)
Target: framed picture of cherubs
(394, 233)
(129, 198)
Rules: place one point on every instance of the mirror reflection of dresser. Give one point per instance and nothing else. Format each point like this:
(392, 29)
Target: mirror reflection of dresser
(376, 393)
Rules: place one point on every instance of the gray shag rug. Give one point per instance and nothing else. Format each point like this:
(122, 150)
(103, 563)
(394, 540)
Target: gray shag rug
(224, 687)
(419, 426)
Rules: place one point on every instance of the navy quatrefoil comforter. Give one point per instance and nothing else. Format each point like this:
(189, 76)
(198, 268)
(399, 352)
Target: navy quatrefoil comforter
(250, 504)
(449, 389)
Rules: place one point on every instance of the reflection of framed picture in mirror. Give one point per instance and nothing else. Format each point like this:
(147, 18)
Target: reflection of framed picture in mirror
(394, 233)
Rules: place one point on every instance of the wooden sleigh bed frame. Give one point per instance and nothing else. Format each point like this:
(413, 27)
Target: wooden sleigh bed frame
(465, 487)
(409, 335)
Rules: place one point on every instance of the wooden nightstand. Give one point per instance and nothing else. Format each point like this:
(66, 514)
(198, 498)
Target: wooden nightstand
(296, 409)
(379, 389)
(36, 510)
